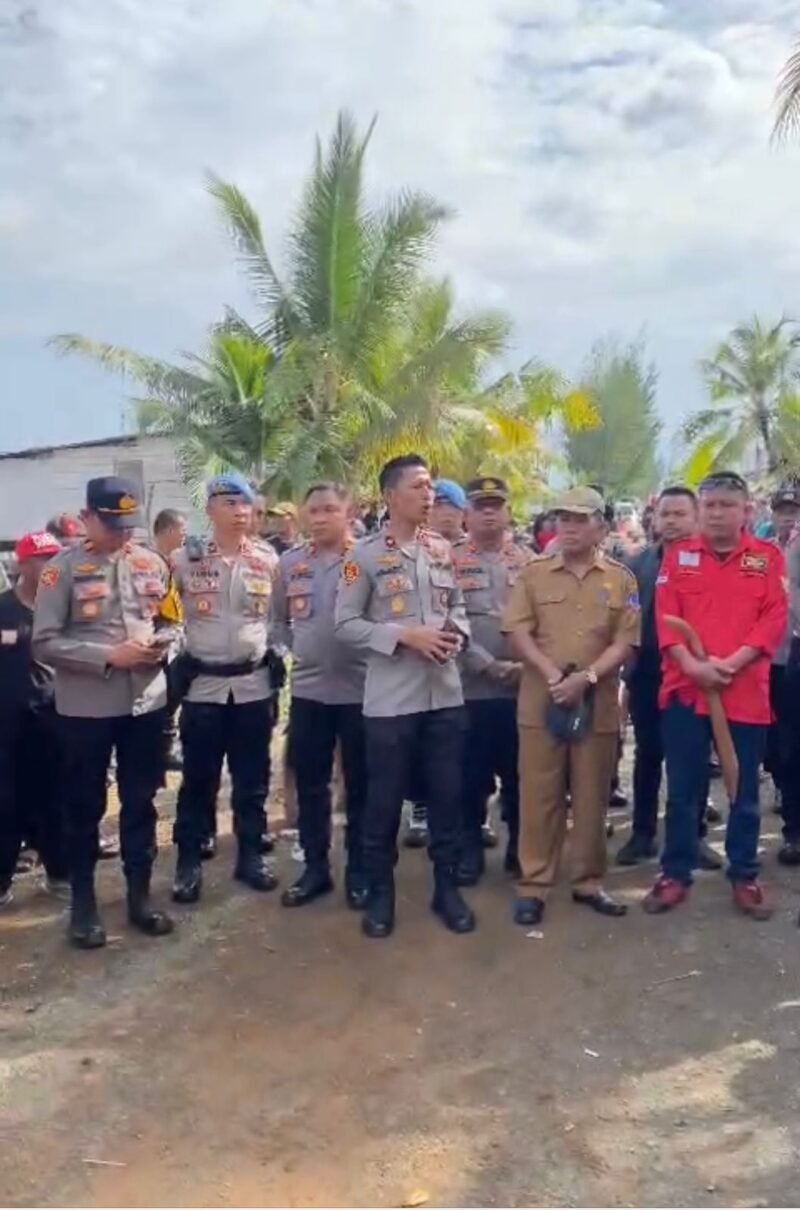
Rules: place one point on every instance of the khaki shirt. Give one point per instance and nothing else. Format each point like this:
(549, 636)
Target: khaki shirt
(486, 578)
(383, 588)
(573, 621)
(88, 602)
(302, 618)
(225, 602)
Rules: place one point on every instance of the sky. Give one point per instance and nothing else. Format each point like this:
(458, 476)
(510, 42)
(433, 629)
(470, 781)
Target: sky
(608, 162)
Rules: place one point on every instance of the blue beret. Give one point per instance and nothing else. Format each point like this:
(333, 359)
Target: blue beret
(450, 492)
(231, 483)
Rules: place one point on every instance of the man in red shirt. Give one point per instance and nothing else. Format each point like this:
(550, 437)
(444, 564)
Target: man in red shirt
(731, 588)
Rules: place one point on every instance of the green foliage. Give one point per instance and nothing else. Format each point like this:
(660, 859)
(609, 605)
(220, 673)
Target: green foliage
(755, 408)
(620, 451)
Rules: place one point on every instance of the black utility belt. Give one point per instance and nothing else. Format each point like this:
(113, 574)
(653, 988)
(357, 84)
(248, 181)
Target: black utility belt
(243, 668)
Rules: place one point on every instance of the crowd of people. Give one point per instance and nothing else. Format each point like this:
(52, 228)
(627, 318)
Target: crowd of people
(442, 654)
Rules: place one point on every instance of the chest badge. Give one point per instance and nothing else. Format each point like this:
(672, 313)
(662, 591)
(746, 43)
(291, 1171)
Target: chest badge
(204, 605)
(398, 604)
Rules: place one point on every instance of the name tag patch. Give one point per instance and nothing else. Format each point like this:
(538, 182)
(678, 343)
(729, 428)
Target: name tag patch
(755, 563)
(688, 558)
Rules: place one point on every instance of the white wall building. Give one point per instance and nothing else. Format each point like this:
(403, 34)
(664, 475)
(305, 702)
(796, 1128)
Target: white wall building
(37, 484)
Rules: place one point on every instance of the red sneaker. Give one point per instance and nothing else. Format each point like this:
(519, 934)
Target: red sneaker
(665, 895)
(749, 898)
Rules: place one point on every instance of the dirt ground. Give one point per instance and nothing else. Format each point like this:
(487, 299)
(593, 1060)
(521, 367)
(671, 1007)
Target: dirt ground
(265, 1057)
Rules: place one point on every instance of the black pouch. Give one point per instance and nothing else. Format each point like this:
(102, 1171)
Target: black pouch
(570, 724)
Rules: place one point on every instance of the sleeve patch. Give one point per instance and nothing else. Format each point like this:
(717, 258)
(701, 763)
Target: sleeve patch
(50, 577)
(633, 600)
(662, 579)
(350, 572)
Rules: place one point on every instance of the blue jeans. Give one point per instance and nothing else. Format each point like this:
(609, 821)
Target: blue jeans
(687, 743)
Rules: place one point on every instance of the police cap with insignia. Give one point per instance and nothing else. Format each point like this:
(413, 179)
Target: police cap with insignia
(487, 487)
(787, 496)
(115, 501)
(230, 483)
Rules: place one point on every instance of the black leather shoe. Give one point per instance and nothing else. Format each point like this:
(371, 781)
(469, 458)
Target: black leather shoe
(511, 863)
(789, 853)
(470, 868)
(600, 901)
(86, 930)
(636, 849)
(450, 907)
(141, 913)
(208, 849)
(707, 859)
(528, 912)
(378, 918)
(188, 884)
(311, 885)
(253, 871)
(356, 889)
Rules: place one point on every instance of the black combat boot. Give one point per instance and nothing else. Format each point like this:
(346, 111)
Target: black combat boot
(356, 888)
(448, 904)
(253, 871)
(188, 883)
(314, 882)
(86, 930)
(471, 866)
(378, 919)
(141, 913)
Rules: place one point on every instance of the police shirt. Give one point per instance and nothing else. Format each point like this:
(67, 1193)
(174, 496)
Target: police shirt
(225, 602)
(25, 683)
(324, 669)
(486, 578)
(573, 620)
(88, 602)
(384, 587)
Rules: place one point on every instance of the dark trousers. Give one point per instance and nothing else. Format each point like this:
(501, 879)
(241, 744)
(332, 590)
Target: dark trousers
(687, 739)
(31, 791)
(434, 738)
(209, 733)
(790, 789)
(315, 728)
(491, 750)
(779, 734)
(88, 744)
(648, 758)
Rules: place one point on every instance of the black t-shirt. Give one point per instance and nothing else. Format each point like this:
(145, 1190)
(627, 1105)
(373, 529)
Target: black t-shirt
(23, 680)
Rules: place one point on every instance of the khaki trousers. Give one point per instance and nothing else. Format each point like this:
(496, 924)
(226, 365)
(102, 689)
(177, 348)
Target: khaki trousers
(546, 768)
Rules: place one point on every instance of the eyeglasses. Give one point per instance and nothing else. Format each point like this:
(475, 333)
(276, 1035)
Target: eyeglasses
(724, 479)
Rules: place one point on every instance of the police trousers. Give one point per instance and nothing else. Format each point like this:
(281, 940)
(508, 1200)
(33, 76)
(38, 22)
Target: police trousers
(314, 729)
(546, 766)
(31, 790)
(491, 750)
(88, 744)
(790, 773)
(434, 738)
(211, 731)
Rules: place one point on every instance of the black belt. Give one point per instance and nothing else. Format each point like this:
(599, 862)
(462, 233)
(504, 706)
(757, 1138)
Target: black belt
(243, 668)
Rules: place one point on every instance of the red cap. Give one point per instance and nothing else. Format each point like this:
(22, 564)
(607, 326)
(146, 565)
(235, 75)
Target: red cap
(41, 545)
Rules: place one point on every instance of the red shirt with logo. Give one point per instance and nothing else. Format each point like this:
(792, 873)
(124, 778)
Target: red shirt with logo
(731, 602)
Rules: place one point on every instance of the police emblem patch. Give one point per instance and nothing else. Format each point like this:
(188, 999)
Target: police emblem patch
(351, 571)
(50, 577)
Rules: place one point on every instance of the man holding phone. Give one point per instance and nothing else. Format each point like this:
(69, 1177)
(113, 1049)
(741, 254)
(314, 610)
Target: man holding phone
(97, 623)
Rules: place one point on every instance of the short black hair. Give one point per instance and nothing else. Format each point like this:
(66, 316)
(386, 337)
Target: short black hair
(730, 480)
(338, 489)
(168, 518)
(392, 471)
(678, 489)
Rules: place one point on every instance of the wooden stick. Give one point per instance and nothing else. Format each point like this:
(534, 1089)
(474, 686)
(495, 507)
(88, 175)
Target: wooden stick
(719, 722)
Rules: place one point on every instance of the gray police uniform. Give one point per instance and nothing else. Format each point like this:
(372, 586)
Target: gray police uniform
(486, 578)
(227, 711)
(327, 692)
(413, 706)
(87, 603)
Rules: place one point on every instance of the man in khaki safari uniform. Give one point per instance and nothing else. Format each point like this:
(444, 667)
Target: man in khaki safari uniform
(573, 618)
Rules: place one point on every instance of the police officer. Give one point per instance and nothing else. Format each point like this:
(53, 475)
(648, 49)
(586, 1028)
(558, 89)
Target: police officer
(398, 602)
(327, 694)
(574, 618)
(487, 566)
(730, 587)
(225, 586)
(31, 767)
(96, 622)
(785, 516)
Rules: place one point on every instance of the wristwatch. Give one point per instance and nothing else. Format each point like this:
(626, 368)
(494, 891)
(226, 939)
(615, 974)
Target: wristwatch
(591, 675)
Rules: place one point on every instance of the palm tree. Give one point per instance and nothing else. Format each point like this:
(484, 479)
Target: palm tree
(787, 98)
(353, 355)
(752, 379)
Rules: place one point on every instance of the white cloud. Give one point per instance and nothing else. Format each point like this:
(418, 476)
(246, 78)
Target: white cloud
(608, 159)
